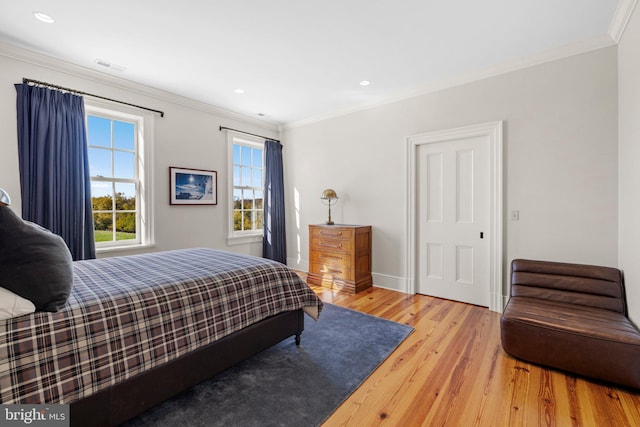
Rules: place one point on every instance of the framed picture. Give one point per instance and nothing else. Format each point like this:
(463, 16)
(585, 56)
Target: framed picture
(193, 186)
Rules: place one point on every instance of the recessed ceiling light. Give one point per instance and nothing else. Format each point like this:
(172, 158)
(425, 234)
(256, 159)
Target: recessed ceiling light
(239, 91)
(365, 83)
(41, 16)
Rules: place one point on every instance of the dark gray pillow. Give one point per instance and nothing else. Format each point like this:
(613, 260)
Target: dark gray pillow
(34, 263)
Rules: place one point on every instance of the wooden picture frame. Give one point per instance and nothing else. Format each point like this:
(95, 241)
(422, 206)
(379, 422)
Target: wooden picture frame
(192, 186)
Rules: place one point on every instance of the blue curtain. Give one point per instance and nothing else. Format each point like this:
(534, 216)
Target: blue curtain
(274, 242)
(54, 166)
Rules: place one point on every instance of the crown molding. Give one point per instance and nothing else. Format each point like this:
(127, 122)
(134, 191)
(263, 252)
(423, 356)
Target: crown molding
(55, 64)
(621, 18)
(465, 78)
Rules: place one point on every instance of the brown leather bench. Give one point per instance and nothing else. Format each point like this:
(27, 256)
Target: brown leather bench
(571, 317)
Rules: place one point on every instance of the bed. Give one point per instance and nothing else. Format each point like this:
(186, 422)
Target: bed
(139, 329)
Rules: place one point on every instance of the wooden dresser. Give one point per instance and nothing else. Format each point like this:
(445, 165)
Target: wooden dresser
(340, 256)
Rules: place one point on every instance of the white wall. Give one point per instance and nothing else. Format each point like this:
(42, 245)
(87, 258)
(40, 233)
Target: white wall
(629, 162)
(560, 163)
(188, 136)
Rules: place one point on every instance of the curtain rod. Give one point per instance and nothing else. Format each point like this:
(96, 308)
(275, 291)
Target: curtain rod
(79, 92)
(247, 133)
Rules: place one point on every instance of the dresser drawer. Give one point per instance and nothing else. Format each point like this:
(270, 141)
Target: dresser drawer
(330, 244)
(331, 258)
(332, 233)
(335, 272)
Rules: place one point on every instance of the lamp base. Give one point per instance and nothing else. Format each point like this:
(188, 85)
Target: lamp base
(329, 223)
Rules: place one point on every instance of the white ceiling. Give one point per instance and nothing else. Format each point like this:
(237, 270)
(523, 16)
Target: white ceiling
(299, 59)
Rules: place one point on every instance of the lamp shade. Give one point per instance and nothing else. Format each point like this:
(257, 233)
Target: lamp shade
(329, 194)
(5, 200)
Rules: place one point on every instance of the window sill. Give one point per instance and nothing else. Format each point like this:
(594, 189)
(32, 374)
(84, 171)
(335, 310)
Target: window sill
(243, 240)
(110, 249)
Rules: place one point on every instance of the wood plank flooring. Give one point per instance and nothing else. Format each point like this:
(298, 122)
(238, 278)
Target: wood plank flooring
(452, 371)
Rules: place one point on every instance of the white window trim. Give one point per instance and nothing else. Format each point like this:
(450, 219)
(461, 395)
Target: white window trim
(144, 121)
(244, 237)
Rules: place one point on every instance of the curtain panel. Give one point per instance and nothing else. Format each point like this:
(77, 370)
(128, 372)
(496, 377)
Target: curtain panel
(274, 241)
(54, 166)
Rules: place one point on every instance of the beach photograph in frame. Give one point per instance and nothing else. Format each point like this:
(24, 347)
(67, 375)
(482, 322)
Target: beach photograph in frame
(193, 186)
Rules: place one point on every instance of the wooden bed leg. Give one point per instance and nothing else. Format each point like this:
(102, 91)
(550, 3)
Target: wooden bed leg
(298, 338)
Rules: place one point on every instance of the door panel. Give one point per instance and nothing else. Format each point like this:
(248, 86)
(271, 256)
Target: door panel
(464, 265)
(464, 184)
(434, 261)
(434, 187)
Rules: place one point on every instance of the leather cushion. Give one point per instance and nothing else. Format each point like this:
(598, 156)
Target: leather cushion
(567, 269)
(593, 342)
(579, 284)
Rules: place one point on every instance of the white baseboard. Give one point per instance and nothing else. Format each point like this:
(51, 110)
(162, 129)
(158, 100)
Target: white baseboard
(393, 283)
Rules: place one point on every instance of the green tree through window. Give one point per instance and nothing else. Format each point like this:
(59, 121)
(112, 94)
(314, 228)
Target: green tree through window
(114, 178)
(247, 187)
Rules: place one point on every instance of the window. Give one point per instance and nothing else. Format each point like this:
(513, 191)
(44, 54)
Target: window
(119, 189)
(247, 173)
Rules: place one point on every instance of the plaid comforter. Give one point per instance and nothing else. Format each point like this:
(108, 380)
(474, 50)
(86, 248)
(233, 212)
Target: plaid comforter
(129, 314)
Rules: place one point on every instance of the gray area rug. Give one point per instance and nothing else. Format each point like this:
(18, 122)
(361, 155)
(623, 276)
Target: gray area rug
(288, 385)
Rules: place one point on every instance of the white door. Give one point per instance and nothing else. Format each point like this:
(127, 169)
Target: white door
(453, 217)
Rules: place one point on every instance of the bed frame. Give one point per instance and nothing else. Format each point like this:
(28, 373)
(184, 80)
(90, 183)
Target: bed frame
(125, 400)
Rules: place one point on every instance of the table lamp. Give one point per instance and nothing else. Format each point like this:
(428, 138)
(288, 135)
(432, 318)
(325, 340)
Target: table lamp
(329, 196)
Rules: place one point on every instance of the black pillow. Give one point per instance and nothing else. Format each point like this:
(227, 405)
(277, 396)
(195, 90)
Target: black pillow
(34, 263)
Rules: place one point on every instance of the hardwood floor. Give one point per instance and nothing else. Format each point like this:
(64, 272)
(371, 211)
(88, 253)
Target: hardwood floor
(452, 371)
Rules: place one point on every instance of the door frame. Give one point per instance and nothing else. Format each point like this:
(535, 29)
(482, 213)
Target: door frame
(493, 132)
